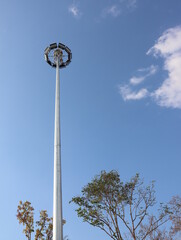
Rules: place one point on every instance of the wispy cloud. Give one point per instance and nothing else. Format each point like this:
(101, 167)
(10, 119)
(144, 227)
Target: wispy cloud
(127, 91)
(168, 46)
(150, 70)
(113, 10)
(147, 72)
(128, 94)
(74, 10)
(120, 6)
(136, 80)
(131, 4)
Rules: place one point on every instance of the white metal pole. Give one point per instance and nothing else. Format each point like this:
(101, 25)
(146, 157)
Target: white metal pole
(57, 194)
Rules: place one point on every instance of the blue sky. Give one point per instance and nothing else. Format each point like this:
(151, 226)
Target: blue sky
(120, 100)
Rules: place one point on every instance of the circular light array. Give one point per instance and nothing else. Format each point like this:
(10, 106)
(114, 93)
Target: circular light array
(66, 55)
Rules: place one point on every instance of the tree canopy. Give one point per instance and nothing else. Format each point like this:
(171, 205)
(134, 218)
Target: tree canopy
(44, 226)
(123, 210)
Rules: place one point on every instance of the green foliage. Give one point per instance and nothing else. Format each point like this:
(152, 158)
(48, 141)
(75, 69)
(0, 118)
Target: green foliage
(111, 205)
(98, 195)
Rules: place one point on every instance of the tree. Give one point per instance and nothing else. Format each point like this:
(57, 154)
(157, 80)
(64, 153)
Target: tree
(122, 210)
(25, 216)
(175, 217)
(174, 231)
(44, 226)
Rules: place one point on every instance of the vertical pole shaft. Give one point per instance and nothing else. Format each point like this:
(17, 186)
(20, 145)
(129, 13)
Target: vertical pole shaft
(57, 194)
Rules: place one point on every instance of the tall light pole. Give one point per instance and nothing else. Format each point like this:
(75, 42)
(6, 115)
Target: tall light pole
(57, 56)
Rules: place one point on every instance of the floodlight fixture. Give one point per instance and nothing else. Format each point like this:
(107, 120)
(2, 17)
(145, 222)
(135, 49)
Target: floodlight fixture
(65, 55)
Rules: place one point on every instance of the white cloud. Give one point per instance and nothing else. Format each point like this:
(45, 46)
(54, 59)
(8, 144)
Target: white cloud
(169, 93)
(74, 10)
(128, 94)
(136, 80)
(127, 91)
(168, 46)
